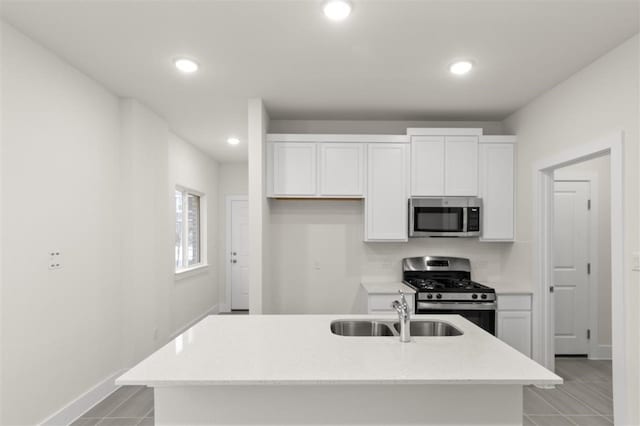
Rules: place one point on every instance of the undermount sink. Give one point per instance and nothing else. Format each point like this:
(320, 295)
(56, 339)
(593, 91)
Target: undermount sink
(419, 328)
(431, 328)
(361, 328)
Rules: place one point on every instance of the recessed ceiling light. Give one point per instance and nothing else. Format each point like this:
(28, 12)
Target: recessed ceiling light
(233, 141)
(461, 67)
(337, 10)
(185, 65)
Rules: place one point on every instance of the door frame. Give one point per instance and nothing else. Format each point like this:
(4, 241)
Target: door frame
(229, 199)
(543, 303)
(594, 251)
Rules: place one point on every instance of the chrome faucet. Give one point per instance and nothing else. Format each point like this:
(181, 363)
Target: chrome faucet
(404, 318)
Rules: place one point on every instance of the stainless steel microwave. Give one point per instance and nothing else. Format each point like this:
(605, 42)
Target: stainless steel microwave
(444, 217)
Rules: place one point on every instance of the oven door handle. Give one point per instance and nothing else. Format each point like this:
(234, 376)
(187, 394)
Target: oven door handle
(462, 306)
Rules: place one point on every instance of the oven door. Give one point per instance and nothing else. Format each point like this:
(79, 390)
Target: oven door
(482, 314)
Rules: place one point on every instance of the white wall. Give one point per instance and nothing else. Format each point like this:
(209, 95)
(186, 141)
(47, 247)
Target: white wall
(233, 180)
(146, 244)
(594, 102)
(61, 329)
(382, 127)
(599, 168)
(91, 176)
(260, 294)
(319, 257)
(194, 293)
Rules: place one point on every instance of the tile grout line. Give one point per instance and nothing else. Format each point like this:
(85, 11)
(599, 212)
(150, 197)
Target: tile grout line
(573, 397)
(147, 414)
(546, 402)
(584, 403)
(117, 406)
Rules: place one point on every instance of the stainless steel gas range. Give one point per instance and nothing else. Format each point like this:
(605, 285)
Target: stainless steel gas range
(443, 286)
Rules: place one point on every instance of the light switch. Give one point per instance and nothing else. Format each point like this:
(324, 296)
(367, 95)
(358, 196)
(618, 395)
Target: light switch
(55, 259)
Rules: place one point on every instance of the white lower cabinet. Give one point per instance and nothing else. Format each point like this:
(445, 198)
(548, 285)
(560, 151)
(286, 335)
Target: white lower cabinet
(513, 321)
(387, 192)
(381, 303)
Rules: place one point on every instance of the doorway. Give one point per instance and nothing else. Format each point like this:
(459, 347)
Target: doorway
(545, 299)
(237, 253)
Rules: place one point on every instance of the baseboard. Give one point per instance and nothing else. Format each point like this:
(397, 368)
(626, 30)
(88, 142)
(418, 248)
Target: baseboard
(224, 308)
(602, 352)
(76, 408)
(211, 311)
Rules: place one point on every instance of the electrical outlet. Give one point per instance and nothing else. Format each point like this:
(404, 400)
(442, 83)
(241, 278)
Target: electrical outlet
(635, 261)
(55, 259)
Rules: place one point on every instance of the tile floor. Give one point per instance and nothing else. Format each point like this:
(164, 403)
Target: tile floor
(584, 399)
(128, 406)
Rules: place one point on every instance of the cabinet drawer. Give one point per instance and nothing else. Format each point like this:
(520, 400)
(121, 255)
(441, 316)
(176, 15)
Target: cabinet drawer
(514, 302)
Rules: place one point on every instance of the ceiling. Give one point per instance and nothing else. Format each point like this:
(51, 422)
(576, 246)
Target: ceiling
(389, 60)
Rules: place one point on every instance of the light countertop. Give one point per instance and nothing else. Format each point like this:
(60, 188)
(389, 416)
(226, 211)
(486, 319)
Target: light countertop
(301, 350)
(386, 287)
(514, 292)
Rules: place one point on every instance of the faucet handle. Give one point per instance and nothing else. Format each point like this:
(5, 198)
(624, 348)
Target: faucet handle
(402, 298)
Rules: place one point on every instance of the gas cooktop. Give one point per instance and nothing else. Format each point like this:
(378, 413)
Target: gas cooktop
(447, 285)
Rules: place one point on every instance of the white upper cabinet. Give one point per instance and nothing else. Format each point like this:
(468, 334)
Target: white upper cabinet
(427, 165)
(320, 165)
(342, 169)
(294, 169)
(387, 192)
(461, 166)
(444, 166)
(497, 187)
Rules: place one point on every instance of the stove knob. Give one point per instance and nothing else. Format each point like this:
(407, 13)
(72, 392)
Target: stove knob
(429, 296)
(484, 296)
(439, 296)
(475, 296)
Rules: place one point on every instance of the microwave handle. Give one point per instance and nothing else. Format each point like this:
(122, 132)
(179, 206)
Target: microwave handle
(465, 219)
(410, 202)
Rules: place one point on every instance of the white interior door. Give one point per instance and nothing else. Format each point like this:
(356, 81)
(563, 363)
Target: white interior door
(239, 254)
(571, 259)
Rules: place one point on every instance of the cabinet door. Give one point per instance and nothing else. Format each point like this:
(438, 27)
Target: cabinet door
(342, 169)
(497, 191)
(427, 166)
(514, 328)
(294, 169)
(461, 166)
(386, 202)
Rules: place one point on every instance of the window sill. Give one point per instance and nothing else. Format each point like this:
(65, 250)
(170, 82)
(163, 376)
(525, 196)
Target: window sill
(191, 271)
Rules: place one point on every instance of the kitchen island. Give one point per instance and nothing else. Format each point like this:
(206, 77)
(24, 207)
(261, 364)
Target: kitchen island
(292, 370)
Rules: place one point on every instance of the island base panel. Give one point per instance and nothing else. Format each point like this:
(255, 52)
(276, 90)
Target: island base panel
(342, 405)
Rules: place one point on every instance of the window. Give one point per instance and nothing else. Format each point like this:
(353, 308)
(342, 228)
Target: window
(188, 229)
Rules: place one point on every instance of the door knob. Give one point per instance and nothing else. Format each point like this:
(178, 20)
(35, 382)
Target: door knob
(234, 261)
